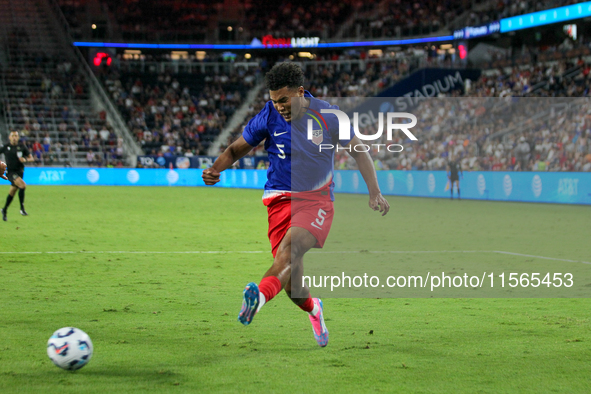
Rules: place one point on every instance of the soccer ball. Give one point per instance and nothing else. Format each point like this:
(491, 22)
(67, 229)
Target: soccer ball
(69, 348)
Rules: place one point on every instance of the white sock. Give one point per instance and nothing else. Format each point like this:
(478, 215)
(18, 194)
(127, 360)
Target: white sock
(315, 310)
(262, 301)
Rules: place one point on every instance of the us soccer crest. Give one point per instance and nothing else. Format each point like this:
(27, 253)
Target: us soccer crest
(317, 136)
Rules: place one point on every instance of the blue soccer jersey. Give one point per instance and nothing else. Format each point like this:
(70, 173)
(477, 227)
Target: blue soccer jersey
(297, 163)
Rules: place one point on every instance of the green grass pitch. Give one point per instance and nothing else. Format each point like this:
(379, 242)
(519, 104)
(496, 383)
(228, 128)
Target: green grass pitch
(166, 322)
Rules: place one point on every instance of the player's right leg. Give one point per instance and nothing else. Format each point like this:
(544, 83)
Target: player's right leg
(296, 242)
(9, 198)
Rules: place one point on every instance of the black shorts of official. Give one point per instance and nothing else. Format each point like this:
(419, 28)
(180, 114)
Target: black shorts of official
(13, 175)
(452, 179)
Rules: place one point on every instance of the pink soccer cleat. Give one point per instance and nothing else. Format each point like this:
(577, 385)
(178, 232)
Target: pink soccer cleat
(320, 331)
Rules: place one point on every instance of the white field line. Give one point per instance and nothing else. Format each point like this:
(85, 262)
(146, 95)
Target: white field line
(540, 257)
(313, 252)
(142, 252)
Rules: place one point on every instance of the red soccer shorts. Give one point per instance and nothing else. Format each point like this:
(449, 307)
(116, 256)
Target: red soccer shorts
(313, 215)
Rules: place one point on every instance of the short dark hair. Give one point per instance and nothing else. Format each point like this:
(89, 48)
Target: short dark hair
(284, 75)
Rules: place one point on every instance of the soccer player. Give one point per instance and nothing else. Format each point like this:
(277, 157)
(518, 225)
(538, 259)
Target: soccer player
(16, 153)
(455, 169)
(300, 216)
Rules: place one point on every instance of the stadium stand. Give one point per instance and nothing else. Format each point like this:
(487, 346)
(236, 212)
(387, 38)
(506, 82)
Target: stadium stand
(47, 96)
(183, 105)
(241, 21)
(165, 21)
(402, 19)
(178, 113)
(349, 75)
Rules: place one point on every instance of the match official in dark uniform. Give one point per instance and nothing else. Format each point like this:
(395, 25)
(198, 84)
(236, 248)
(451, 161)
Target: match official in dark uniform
(455, 169)
(15, 154)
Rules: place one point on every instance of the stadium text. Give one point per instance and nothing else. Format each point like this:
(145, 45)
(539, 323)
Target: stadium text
(345, 125)
(433, 89)
(293, 42)
(432, 282)
(394, 148)
(51, 176)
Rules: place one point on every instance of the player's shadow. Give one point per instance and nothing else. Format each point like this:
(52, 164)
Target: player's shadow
(144, 373)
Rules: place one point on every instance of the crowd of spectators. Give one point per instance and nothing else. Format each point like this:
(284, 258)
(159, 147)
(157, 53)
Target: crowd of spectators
(542, 134)
(177, 114)
(395, 18)
(488, 141)
(199, 20)
(173, 115)
(43, 105)
(502, 122)
(300, 18)
(164, 20)
(169, 116)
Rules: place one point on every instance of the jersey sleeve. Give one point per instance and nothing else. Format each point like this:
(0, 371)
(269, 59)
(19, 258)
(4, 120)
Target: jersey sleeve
(26, 151)
(256, 130)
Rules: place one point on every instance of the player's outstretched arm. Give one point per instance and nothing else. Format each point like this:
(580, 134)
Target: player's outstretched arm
(377, 202)
(237, 150)
(2, 170)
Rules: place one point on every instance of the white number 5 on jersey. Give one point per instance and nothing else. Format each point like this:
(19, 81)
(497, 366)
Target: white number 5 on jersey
(320, 220)
(280, 147)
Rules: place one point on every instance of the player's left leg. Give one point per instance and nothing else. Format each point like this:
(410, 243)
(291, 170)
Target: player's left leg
(299, 293)
(9, 198)
(458, 186)
(21, 194)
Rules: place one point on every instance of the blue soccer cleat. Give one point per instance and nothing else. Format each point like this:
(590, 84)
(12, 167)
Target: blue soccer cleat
(320, 330)
(250, 303)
